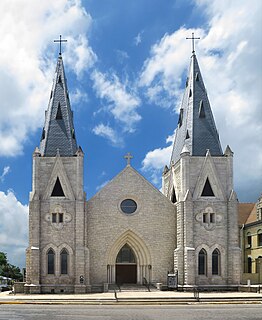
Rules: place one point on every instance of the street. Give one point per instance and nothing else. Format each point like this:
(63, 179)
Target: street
(121, 312)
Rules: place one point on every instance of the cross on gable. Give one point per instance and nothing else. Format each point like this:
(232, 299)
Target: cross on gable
(60, 41)
(193, 41)
(128, 157)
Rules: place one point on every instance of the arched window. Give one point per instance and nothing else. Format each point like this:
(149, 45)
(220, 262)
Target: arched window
(64, 261)
(202, 262)
(249, 265)
(216, 262)
(50, 261)
(126, 255)
(259, 238)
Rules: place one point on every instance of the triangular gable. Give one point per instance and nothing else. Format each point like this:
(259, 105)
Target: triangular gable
(208, 177)
(119, 176)
(59, 174)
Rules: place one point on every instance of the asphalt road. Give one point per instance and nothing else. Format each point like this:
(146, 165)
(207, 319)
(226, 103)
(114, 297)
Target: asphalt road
(78, 312)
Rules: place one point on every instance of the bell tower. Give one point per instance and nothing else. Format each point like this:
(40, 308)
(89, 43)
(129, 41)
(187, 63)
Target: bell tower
(199, 181)
(57, 201)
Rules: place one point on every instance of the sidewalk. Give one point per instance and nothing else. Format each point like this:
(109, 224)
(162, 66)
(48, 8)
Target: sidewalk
(156, 297)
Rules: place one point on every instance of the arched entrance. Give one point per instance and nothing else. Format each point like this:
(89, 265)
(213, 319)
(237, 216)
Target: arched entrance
(126, 266)
(140, 264)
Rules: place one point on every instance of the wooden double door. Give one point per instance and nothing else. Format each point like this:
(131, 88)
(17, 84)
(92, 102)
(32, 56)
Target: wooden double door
(126, 273)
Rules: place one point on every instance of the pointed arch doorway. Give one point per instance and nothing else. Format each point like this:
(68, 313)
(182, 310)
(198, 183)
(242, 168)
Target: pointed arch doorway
(139, 260)
(126, 266)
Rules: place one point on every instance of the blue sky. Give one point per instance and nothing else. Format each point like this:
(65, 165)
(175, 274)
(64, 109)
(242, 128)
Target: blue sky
(126, 63)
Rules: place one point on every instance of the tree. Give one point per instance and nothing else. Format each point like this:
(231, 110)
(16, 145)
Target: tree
(8, 270)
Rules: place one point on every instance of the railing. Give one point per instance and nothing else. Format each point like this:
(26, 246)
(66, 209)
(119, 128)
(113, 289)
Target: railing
(196, 293)
(146, 284)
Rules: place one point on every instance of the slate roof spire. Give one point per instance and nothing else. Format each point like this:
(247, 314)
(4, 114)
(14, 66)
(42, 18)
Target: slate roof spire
(196, 126)
(58, 133)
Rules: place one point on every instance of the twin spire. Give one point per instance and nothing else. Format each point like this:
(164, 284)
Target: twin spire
(58, 136)
(196, 130)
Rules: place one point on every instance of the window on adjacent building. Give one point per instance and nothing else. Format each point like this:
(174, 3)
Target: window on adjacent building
(64, 261)
(50, 261)
(249, 265)
(249, 240)
(259, 264)
(259, 238)
(202, 262)
(216, 262)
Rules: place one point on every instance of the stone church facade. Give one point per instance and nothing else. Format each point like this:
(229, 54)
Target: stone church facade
(130, 231)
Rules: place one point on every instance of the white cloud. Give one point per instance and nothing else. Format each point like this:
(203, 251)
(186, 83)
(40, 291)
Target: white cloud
(13, 228)
(27, 30)
(155, 161)
(138, 38)
(102, 185)
(78, 96)
(229, 55)
(122, 103)
(6, 170)
(107, 132)
(164, 70)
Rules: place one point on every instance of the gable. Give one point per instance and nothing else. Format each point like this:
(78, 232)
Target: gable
(59, 184)
(129, 183)
(208, 182)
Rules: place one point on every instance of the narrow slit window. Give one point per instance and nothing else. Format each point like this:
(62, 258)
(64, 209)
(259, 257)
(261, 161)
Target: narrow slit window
(61, 217)
(202, 262)
(197, 77)
(50, 261)
(201, 110)
(59, 113)
(64, 261)
(54, 217)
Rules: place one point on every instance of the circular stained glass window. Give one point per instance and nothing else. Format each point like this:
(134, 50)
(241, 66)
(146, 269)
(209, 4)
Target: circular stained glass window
(128, 206)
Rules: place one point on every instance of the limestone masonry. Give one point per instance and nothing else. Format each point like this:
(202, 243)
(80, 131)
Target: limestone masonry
(129, 232)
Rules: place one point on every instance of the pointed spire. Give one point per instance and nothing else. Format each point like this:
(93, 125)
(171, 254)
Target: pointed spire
(196, 126)
(58, 132)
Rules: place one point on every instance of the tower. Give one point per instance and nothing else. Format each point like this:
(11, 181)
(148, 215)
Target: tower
(199, 181)
(57, 201)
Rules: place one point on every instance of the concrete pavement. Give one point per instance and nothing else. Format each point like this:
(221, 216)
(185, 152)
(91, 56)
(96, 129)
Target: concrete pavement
(131, 297)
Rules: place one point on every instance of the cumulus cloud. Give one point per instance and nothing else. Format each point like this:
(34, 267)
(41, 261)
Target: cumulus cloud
(109, 133)
(122, 103)
(155, 161)
(229, 55)
(27, 30)
(6, 170)
(13, 228)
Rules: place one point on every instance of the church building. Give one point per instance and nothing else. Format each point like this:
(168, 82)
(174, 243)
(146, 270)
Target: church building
(190, 229)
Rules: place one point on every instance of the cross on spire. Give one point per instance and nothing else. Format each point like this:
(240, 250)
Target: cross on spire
(193, 42)
(128, 157)
(60, 41)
